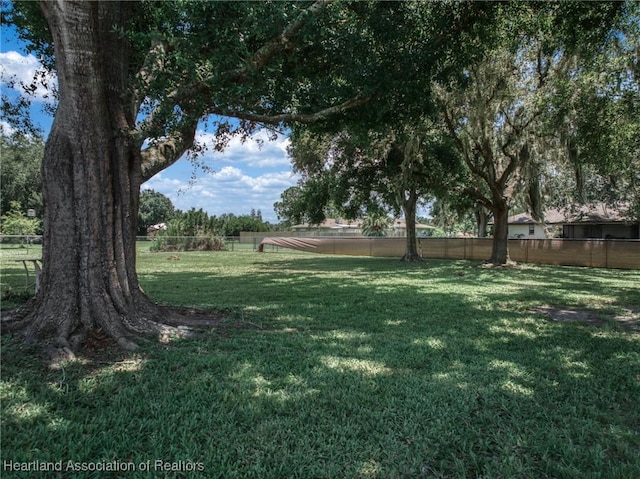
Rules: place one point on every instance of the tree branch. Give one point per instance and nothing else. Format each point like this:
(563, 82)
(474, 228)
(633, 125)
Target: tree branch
(257, 61)
(452, 131)
(186, 93)
(516, 163)
(275, 119)
(478, 196)
(167, 151)
(261, 57)
(153, 63)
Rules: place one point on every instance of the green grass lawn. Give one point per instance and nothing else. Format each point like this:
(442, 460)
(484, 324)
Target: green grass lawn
(345, 367)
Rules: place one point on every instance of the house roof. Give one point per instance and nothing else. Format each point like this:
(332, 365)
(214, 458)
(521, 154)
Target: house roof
(595, 213)
(331, 223)
(401, 223)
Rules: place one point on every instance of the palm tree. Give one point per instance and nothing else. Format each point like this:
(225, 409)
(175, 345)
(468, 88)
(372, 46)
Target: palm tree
(375, 224)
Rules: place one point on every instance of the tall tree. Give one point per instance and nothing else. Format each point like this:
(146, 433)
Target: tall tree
(128, 71)
(423, 165)
(598, 125)
(154, 208)
(492, 121)
(367, 171)
(497, 118)
(21, 161)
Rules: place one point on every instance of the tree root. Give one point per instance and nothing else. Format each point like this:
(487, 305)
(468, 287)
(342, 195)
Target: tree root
(61, 339)
(412, 258)
(491, 264)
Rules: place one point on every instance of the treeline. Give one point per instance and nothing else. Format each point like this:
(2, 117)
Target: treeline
(543, 116)
(156, 208)
(21, 182)
(199, 223)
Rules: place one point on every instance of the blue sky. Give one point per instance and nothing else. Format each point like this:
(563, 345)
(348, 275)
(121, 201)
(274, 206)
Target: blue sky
(245, 176)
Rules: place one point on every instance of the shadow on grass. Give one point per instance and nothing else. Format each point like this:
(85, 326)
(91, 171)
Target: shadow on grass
(363, 369)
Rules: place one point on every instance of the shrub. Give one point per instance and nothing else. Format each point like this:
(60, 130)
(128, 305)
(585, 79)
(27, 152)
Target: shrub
(166, 243)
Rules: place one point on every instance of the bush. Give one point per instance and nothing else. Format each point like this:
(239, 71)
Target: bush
(166, 243)
(16, 223)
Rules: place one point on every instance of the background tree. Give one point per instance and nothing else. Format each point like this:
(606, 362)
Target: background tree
(375, 225)
(232, 225)
(310, 200)
(154, 208)
(426, 166)
(373, 173)
(597, 123)
(455, 215)
(307, 202)
(20, 177)
(15, 222)
(497, 117)
(196, 223)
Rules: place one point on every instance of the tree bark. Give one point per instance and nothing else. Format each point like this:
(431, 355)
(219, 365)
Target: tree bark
(91, 176)
(500, 244)
(409, 205)
(482, 220)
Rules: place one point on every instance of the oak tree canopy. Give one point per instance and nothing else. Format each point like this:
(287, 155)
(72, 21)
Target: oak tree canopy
(135, 79)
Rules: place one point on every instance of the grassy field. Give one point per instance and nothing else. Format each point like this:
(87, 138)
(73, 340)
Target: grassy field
(344, 367)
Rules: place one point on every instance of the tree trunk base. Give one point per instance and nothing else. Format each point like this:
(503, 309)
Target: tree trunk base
(412, 258)
(509, 263)
(153, 324)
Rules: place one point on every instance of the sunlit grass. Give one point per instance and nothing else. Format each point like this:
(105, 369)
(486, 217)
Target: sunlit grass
(348, 367)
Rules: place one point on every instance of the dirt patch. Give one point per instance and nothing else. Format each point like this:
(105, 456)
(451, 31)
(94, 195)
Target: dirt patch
(99, 349)
(628, 319)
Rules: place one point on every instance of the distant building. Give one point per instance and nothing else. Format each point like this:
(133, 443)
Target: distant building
(153, 230)
(335, 227)
(580, 222)
(399, 228)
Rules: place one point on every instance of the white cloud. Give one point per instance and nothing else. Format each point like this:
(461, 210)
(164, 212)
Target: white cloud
(23, 69)
(229, 173)
(247, 175)
(6, 129)
(230, 190)
(258, 151)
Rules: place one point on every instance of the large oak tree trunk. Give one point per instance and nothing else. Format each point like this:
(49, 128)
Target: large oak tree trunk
(500, 245)
(91, 177)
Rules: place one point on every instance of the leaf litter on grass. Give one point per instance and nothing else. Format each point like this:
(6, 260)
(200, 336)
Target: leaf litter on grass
(628, 319)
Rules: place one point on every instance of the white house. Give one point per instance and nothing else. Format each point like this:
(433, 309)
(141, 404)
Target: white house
(523, 226)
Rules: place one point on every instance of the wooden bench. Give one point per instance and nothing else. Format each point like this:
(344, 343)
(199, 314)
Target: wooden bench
(37, 268)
